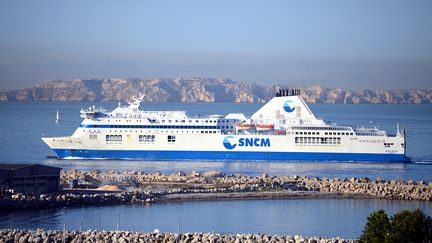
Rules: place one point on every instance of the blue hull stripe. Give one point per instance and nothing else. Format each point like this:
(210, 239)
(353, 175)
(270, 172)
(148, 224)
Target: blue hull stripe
(227, 155)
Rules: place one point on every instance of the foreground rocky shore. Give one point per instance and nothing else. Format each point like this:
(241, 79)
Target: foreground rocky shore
(141, 188)
(39, 236)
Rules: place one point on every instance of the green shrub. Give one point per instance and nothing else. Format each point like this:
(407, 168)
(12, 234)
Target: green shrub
(405, 226)
(377, 226)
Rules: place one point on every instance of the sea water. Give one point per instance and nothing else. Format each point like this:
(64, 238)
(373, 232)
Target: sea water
(24, 123)
(311, 217)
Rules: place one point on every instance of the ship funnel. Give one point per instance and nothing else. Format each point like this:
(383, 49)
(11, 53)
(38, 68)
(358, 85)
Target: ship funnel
(287, 92)
(288, 107)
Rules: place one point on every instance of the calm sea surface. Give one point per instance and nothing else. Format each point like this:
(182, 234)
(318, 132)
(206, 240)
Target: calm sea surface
(314, 217)
(23, 124)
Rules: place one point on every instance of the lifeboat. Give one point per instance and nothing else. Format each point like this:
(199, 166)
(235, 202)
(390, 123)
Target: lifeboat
(264, 127)
(244, 126)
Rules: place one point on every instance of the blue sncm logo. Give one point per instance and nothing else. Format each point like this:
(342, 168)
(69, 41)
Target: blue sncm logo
(227, 144)
(287, 107)
(246, 142)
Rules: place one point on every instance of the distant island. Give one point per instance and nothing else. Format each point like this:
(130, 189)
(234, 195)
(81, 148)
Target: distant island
(202, 90)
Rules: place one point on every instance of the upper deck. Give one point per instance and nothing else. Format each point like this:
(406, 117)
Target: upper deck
(285, 112)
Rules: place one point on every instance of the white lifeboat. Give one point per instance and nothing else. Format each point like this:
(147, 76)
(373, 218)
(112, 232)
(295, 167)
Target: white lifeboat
(244, 126)
(264, 127)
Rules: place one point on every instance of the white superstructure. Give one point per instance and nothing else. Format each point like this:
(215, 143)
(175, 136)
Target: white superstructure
(283, 129)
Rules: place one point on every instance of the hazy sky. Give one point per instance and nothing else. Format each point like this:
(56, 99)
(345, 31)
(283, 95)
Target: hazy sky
(348, 44)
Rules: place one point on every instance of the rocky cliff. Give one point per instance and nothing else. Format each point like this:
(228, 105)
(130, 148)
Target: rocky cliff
(201, 90)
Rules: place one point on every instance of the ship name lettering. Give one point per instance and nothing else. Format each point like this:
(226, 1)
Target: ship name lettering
(254, 142)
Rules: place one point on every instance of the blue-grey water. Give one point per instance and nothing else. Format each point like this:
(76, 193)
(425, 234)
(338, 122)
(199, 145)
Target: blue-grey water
(314, 217)
(23, 124)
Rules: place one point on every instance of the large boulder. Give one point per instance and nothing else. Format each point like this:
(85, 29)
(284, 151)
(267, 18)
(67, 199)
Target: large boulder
(212, 174)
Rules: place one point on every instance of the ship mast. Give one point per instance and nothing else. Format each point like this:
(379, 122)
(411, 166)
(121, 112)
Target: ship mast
(57, 120)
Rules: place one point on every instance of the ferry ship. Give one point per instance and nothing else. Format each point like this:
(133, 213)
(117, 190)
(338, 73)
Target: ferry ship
(284, 129)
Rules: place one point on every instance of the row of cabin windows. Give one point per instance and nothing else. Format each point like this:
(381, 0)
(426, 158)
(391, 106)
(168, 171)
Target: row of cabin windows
(322, 128)
(171, 138)
(151, 138)
(367, 134)
(307, 133)
(326, 133)
(181, 131)
(113, 138)
(141, 138)
(183, 121)
(387, 145)
(146, 138)
(225, 127)
(196, 121)
(317, 140)
(208, 131)
(158, 126)
(338, 133)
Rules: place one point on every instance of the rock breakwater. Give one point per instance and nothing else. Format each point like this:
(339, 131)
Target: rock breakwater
(214, 181)
(142, 188)
(17, 202)
(39, 236)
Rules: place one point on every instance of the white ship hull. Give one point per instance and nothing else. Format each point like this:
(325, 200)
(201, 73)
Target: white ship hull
(216, 139)
(279, 147)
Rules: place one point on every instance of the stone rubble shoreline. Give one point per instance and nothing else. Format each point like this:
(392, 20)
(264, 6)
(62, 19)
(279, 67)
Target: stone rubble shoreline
(144, 188)
(215, 181)
(48, 236)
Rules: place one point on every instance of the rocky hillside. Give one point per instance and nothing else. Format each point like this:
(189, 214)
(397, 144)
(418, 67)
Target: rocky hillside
(200, 90)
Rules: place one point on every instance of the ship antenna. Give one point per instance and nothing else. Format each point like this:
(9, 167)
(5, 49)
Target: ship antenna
(144, 95)
(397, 129)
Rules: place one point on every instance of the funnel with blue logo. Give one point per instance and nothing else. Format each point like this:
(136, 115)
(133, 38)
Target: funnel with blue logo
(287, 107)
